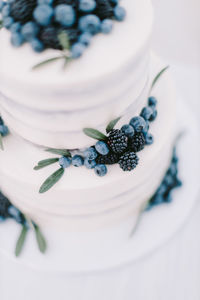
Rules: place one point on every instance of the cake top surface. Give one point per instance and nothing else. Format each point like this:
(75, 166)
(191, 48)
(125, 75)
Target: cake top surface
(106, 55)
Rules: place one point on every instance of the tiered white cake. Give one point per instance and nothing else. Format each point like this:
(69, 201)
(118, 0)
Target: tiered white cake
(50, 107)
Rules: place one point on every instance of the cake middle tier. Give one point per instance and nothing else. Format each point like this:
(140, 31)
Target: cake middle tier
(50, 107)
(81, 200)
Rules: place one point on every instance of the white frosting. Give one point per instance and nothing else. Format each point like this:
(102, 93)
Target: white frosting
(81, 199)
(50, 107)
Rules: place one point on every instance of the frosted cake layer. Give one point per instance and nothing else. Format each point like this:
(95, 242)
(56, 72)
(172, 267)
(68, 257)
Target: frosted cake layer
(50, 107)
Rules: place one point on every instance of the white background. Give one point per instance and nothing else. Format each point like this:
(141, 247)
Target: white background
(176, 38)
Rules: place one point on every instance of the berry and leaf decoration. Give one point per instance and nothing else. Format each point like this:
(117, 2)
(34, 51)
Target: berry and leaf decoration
(65, 55)
(3, 132)
(9, 211)
(42, 24)
(115, 146)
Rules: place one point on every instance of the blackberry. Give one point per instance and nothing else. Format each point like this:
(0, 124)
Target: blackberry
(137, 143)
(103, 9)
(117, 140)
(73, 3)
(49, 37)
(4, 205)
(109, 159)
(22, 10)
(128, 161)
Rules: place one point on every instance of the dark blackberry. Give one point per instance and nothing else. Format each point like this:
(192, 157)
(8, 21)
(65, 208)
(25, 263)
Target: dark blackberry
(49, 37)
(117, 140)
(73, 3)
(22, 10)
(137, 142)
(109, 159)
(4, 205)
(103, 9)
(128, 161)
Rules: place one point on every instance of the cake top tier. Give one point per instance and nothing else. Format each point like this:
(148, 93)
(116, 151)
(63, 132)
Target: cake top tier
(106, 54)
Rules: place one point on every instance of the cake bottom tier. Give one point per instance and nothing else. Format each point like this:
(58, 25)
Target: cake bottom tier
(82, 201)
(108, 264)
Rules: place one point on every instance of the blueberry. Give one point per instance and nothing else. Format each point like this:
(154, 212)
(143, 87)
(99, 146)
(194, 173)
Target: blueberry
(158, 199)
(2, 219)
(65, 161)
(128, 130)
(87, 5)
(89, 164)
(106, 26)
(43, 14)
(102, 148)
(149, 139)
(7, 22)
(173, 169)
(4, 130)
(77, 161)
(15, 213)
(5, 11)
(90, 153)
(169, 180)
(77, 50)
(89, 23)
(162, 189)
(65, 15)
(37, 45)
(48, 2)
(146, 129)
(152, 101)
(138, 123)
(2, 3)
(15, 27)
(17, 39)
(154, 115)
(85, 38)
(30, 30)
(146, 113)
(119, 13)
(100, 170)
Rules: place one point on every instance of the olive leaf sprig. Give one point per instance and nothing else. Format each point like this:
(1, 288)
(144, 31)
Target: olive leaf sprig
(41, 242)
(56, 176)
(98, 135)
(64, 55)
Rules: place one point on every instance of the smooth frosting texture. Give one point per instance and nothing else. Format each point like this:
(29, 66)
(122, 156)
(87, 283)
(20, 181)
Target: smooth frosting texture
(81, 200)
(50, 107)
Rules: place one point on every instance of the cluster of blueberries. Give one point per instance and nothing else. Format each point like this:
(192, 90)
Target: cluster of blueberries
(7, 210)
(120, 145)
(169, 183)
(3, 128)
(39, 22)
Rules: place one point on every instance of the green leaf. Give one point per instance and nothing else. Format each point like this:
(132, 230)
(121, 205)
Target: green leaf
(63, 152)
(1, 142)
(40, 239)
(66, 62)
(64, 40)
(95, 134)
(112, 124)
(21, 240)
(46, 162)
(45, 62)
(158, 77)
(51, 180)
